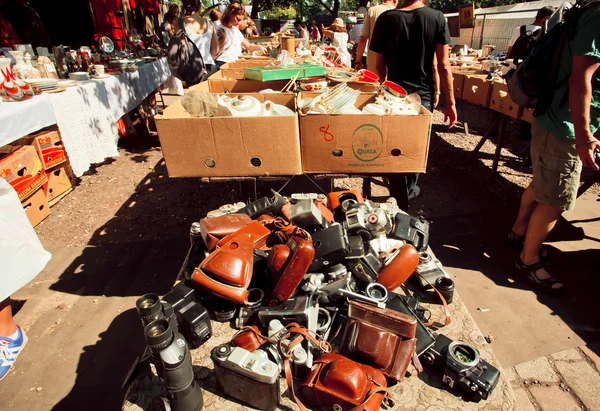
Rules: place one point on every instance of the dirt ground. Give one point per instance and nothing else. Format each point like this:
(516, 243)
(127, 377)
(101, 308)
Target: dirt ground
(124, 229)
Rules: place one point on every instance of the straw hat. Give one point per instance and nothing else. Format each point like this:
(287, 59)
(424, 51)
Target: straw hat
(338, 22)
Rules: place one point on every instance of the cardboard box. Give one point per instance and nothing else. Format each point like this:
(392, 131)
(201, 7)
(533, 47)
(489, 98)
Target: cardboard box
(230, 146)
(50, 148)
(36, 207)
(459, 83)
(364, 143)
(500, 101)
(477, 90)
(58, 182)
(23, 170)
(235, 70)
(219, 84)
(527, 115)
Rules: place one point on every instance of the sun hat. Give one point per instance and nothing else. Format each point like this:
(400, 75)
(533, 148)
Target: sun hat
(338, 22)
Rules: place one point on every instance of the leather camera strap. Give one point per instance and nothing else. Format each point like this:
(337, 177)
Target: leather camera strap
(262, 338)
(444, 303)
(377, 389)
(301, 334)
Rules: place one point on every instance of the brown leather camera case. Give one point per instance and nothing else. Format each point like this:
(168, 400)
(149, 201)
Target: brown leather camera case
(335, 379)
(301, 254)
(380, 337)
(214, 229)
(227, 271)
(400, 268)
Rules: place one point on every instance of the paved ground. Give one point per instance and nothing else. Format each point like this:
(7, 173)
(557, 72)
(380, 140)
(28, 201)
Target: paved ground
(123, 232)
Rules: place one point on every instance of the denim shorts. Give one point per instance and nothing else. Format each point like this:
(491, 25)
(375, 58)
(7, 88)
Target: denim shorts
(556, 169)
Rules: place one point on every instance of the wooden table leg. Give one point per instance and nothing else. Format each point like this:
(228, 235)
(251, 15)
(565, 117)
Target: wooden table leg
(499, 145)
(486, 136)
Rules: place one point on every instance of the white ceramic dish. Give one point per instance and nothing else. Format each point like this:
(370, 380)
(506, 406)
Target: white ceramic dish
(79, 76)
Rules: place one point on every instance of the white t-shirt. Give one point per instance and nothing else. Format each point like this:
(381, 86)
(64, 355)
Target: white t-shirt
(203, 41)
(517, 33)
(232, 47)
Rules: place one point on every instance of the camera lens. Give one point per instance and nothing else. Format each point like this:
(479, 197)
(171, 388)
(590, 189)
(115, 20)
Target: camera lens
(377, 292)
(445, 286)
(149, 308)
(158, 334)
(255, 298)
(463, 353)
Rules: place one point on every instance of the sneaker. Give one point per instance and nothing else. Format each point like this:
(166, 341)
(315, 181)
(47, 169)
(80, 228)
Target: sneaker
(10, 350)
(414, 193)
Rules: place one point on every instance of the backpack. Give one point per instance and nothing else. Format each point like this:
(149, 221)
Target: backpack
(533, 83)
(524, 44)
(184, 57)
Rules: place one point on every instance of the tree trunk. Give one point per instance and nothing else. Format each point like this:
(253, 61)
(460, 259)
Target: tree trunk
(255, 9)
(336, 8)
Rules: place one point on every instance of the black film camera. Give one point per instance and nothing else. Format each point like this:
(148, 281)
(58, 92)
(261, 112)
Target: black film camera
(462, 368)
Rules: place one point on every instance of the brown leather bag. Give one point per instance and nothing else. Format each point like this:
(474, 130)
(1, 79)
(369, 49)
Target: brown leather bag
(380, 337)
(227, 271)
(397, 271)
(214, 229)
(337, 380)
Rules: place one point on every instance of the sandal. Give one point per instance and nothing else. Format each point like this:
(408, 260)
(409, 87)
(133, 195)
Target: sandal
(529, 272)
(517, 241)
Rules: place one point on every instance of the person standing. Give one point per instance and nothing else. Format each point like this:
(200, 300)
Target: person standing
(534, 28)
(339, 38)
(201, 31)
(215, 15)
(230, 37)
(354, 37)
(23, 257)
(562, 142)
(367, 34)
(522, 50)
(405, 42)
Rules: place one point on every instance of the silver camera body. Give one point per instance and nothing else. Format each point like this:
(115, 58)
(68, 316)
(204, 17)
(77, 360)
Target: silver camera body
(247, 376)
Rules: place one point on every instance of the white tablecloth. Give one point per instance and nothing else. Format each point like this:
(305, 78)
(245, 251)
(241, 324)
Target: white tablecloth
(19, 118)
(87, 114)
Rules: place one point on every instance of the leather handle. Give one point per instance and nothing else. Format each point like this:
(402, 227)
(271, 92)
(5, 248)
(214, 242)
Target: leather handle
(444, 303)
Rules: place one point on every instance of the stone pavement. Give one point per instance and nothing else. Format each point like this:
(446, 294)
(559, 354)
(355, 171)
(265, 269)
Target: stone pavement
(567, 380)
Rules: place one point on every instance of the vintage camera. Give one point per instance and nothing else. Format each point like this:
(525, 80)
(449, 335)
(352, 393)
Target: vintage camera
(306, 214)
(193, 318)
(264, 205)
(462, 367)
(413, 230)
(173, 361)
(365, 218)
(430, 268)
(247, 376)
(331, 247)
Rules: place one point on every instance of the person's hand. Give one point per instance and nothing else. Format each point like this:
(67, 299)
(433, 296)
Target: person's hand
(436, 100)
(358, 65)
(587, 152)
(450, 114)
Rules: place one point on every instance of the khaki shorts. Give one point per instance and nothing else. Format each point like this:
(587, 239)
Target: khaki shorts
(556, 169)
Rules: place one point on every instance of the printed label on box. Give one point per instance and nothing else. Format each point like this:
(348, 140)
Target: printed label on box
(367, 142)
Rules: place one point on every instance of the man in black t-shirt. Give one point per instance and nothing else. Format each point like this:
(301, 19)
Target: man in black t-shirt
(406, 41)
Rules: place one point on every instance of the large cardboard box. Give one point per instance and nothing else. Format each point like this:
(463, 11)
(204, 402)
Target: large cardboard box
(58, 182)
(500, 101)
(459, 83)
(477, 90)
(364, 143)
(36, 207)
(527, 115)
(23, 170)
(230, 146)
(50, 148)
